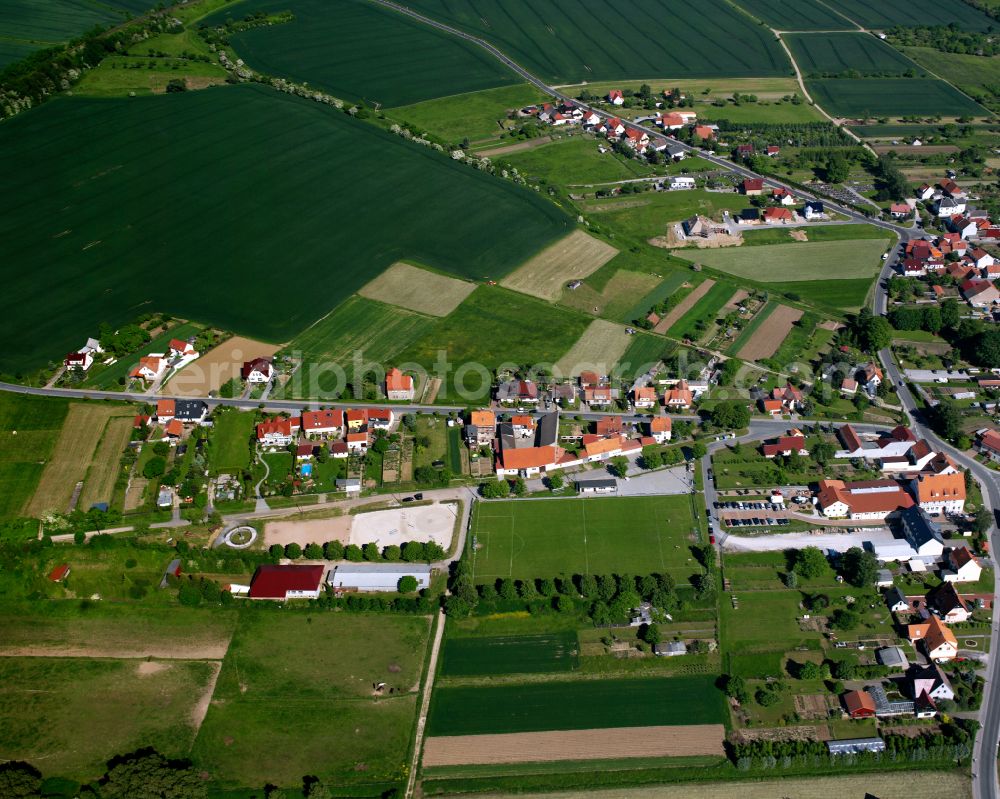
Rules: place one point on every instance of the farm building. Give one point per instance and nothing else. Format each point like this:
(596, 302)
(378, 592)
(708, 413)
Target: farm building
(398, 386)
(892, 657)
(286, 582)
(377, 576)
(598, 486)
(853, 746)
(859, 704)
(670, 649)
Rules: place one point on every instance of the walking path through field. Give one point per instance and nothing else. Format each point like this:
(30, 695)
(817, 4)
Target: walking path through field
(425, 704)
(683, 306)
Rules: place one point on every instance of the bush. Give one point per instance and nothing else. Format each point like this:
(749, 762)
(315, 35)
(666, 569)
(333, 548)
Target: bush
(407, 584)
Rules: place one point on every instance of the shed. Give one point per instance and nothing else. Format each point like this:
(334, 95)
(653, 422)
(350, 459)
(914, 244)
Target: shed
(597, 486)
(351, 485)
(59, 573)
(892, 657)
(670, 649)
(883, 578)
(859, 704)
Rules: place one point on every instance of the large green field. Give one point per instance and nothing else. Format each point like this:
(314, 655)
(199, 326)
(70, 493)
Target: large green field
(302, 687)
(362, 328)
(647, 215)
(304, 197)
(473, 115)
(797, 15)
(575, 160)
(775, 263)
(971, 73)
(70, 715)
(886, 13)
(11, 51)
(867, 97)
(495, 326)
(575, 705)
(623, 535)
(510, 654)
(581, 40)
(360, 51)
(818, 53)
(29, 428)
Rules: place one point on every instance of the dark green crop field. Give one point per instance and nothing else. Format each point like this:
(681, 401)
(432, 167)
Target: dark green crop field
(795, 15)
(575, 705)
(359, 51)
(11, 51)
(510, 654)
(835, 53)
(569, 41)
(890, 97)
(240, 206)
(886, 13)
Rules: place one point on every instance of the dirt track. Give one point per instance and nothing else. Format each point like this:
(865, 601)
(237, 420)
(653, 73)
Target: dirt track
(683, 307)
(770, 334)
(622, 742)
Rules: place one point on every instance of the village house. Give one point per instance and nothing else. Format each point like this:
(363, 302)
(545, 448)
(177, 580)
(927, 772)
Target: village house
(934, 637)
(150, 368)
(185, 411)
(679, 397)
(615, 97)
(278, 432)
(398, 387)
(871, 377)
(644, 397)
(785, 446)
(945, 603)
(181, 349)
(782, 196)
(481, 429)
(660, 429)
(79, 360)
(859, 705)
(789, 396)
(813, 210)
(961, 566)
(258, 370)
(777, 216)
(939, 493)
(866, 499)
(753, 187)
(704, 132)
(357, 442)
(979, 293)
(931, 682)
(517, 392)
(921, 533)
(900, 210)
(323, 423)
(681, 183)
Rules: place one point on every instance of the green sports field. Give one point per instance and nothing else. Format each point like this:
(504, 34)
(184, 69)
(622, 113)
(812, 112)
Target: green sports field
(890, 97)
(551, 538)
(575, 705)
(510, 654)
(886, 13)
(797, 15)
(581, 40)
(839, 52)
(302, 206)
(360, 51)
(775, 263)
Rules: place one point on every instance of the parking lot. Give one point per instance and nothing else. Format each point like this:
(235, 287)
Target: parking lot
(752, 514)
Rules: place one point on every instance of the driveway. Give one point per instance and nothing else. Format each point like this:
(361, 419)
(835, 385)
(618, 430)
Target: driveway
(667, 481)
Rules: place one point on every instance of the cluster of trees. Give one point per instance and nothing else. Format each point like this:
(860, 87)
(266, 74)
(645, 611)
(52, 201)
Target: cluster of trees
(653, 457)
(890, 182)
(929, 318)
(730, 415)
(857, 74)
(500, 489)
(867, 332)
(736, 688)
(410, 552)
(122, 341)
(219, 35)
(430, 476)
(859, 567)
(946, 38)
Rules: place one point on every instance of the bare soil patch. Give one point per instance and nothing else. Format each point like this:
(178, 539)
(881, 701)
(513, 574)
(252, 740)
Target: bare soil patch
(623, 742)
(599, 348)
(615, 205)
(530, 144)
(200, 709)
(573, 258)
(310, 531)
(148, 667)
(217, 367)
(734, 302)
(675, 240)
(830, 324)
(812, 706)
(432, 389)
(765, 342)
(617, 296)
(801, 733)
(798, 235)
(683, 306)
(418, 290)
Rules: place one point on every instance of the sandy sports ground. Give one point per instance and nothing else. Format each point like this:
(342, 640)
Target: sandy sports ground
(888, 785)
(418, 290)
(572, 258)
(217, 367)
(683, 306)
(422, 523)
(620, 742)
(765, 342)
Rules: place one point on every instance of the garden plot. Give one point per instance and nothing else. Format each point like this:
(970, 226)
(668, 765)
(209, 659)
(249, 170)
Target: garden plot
(573, 258)
(683, 306)
(768, 337)
(599, 348)
(418, 290)
(620, 742)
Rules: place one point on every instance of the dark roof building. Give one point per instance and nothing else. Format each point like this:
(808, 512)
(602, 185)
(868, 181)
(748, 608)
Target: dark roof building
(921, 532)
(286, 582)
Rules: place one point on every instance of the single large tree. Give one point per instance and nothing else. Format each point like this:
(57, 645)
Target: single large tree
(859, 567)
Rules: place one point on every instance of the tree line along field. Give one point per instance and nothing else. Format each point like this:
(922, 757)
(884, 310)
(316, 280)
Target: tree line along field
(886, 13)
(839, 52)
(360, 51)
(624, 535)
(180, 180)
(575, 705)
(578, 40)
(890, 97)
(797, 15)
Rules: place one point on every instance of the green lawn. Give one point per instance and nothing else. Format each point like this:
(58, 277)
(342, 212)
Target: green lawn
(866, 97)
(765, 621)
(801, 262)
(779, 235)
(622, 535)
(748, 332)
(575, 160)
(301, 685)
(69, 213)
(231, 435)
(362, 329)
(576, 705)
(436, 432)
(360, 51)
(836, 295)
(71, 715)
(494, 326)
(473, 115)
(29, 429)
(645, 349)
(569, 42)
(835, 53)
(118, 76)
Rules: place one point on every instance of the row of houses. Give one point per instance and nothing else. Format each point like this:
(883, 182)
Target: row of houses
(924, 687)
(346, 431)
(972, 268)
(597, 391)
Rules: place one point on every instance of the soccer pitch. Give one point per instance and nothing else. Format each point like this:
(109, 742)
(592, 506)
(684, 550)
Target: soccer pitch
(553, 537)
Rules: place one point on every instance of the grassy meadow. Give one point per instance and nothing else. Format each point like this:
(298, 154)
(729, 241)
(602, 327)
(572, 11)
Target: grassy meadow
(79, 217)
(635, 535)
(575, 160)
(230, 441)
(360, 51)
(29, 429)
(569, 42)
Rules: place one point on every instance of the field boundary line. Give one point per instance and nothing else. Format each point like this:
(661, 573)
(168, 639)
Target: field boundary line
(425, 703)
